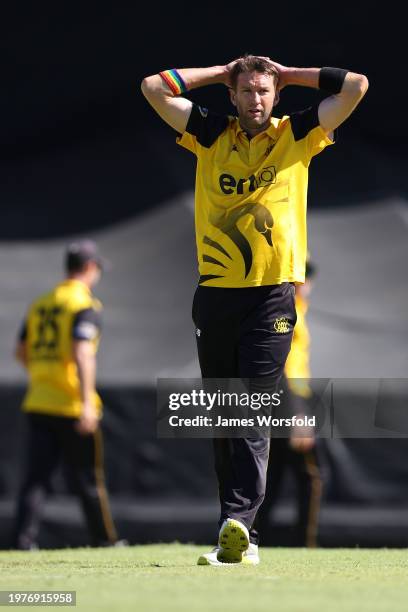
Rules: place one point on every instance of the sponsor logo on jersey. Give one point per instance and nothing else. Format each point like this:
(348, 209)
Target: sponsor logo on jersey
(229, 184)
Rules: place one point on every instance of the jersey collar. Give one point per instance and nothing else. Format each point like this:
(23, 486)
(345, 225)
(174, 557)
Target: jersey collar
(71, 282)
(271, 131)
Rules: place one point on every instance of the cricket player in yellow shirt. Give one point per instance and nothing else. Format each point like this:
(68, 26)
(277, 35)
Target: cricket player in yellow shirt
(57, 345)
(250, 221)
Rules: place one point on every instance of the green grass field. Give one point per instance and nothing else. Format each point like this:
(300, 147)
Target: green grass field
(165, 577)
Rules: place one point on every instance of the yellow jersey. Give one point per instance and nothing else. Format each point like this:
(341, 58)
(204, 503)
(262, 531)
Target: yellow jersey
(69, 312)
(250, 198)
(298, 362)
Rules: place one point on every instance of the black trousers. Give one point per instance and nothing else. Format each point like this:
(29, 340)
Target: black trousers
(243, 333)
(306, 469)
(50, 440)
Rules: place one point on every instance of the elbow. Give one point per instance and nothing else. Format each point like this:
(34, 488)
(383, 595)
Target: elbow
(144, 85)
(360, 85)
(147, 86)
(355, 87)
(363, 84)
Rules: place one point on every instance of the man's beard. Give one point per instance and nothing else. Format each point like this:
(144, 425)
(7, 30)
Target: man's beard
(247, 121)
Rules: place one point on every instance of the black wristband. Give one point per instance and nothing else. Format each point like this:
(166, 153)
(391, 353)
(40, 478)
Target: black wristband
(332, 79)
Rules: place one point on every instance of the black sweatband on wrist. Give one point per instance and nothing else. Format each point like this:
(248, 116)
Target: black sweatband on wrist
(332, 79)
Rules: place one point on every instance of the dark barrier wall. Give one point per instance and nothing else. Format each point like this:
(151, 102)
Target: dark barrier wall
(137, 463)
(81, 148)
(166, 489)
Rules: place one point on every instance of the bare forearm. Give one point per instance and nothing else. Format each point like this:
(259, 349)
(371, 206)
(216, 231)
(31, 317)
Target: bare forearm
(304, 77)
(163, 90)
(346, 88)
(309, 77)
(86, 367)
(192, 77)
(85, 360)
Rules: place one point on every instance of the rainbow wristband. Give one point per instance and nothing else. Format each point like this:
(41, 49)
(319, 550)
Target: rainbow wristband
(174, 81)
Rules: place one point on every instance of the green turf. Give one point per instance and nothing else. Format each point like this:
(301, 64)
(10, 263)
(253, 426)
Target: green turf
(165, 578)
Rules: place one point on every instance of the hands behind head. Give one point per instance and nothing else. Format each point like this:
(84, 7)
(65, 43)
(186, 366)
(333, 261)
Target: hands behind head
(280, 68)
(228, 69)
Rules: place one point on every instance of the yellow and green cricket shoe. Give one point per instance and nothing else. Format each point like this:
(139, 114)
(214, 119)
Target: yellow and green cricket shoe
(233, 541)
(249, 557)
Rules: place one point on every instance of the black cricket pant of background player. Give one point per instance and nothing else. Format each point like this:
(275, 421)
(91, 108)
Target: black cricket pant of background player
(50, 440)
(237, 339)
(305, 468)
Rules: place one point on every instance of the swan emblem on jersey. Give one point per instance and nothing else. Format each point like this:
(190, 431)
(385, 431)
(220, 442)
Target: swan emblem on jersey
(227, 223)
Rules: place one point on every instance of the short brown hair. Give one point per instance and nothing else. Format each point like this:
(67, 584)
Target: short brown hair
(252, 63)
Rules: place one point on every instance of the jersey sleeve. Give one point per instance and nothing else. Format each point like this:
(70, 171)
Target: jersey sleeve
(87, 324)
(305, 125)
(202, 130)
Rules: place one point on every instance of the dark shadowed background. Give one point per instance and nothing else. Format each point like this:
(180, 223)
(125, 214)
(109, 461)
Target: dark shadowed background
(77, 136)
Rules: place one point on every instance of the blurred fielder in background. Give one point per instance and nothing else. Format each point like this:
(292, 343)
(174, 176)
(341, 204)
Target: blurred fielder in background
(250, 215)
(58, 344)
(298, 453)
